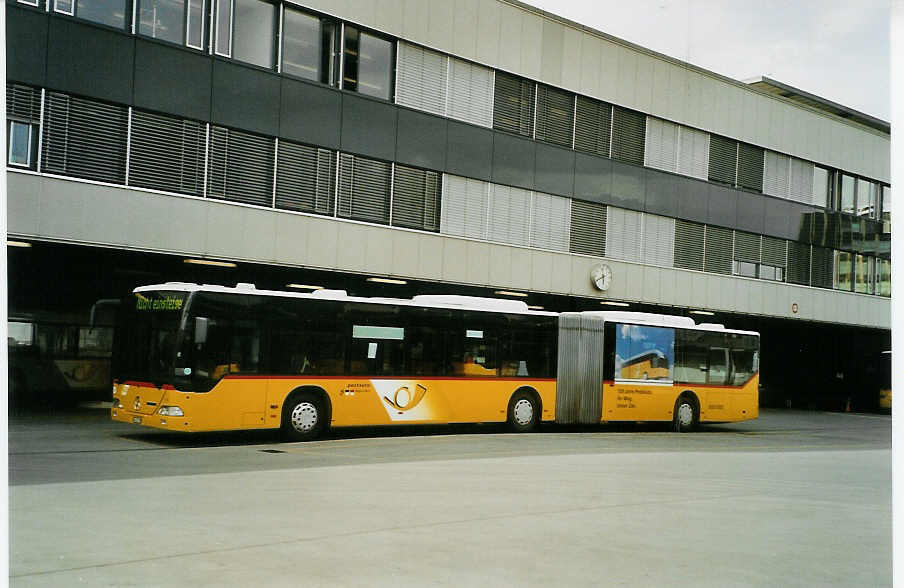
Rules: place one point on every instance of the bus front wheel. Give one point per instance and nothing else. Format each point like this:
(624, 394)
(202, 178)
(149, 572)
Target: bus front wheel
(523, 412)
(303, 417)
(687, 415)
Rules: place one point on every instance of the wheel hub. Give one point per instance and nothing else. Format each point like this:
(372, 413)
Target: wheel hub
(523, 412)
(304, 417)
(685, 414)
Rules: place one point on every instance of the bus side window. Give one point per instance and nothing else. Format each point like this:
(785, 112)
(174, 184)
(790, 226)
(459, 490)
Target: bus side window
(742, 365)
(718, 366)
(245, 347)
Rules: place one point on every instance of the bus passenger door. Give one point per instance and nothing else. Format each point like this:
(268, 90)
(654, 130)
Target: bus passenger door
(715, 403)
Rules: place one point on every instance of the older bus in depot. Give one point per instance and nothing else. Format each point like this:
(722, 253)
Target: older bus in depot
(196, 358)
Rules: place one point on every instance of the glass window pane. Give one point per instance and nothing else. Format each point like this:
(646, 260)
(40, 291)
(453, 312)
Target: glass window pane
(64, 6)
(162, 19)
(19, 143)
(329, 53)
(883, 277)
(224, 27)
(302, 45)
(108, 12)
(255, 23)
(368, 64)
(195, 24)
(847, 194)
(866, 198)
(821, 186)
(886, 209)
(864, 276)
(843, 270)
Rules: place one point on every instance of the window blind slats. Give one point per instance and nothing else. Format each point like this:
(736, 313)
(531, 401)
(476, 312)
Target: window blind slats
(513, 104)
(588, 228)
(629, 131)
(746, 247)
(306, 178)
(167, 153)
(822, 267)
(661, 146)
(750, 167)
(802, 182)
(798, 263)
(555, 116)
(689, 245)
(593, 126)
(509, 214)
(415, 198)
(774, 251)
(550, 217)
(471, 93)
(240, 167)
(364, 189)
(658, 240)
(421, 79)
(623, 234)
(23, 103)
(723, 159)
(717, 250)
(693, 152)
(85, 139)
(776, 174)
(464, 209)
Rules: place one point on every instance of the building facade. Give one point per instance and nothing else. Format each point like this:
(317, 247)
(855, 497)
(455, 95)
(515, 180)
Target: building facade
(477, 146)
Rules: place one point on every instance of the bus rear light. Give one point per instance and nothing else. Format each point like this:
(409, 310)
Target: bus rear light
(170, 411)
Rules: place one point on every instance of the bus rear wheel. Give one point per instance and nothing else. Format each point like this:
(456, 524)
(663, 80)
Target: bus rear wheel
(687, 415)
(303, 417)
(523, 412)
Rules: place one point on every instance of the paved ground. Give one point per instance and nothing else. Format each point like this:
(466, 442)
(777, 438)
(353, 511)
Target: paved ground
(791, 499)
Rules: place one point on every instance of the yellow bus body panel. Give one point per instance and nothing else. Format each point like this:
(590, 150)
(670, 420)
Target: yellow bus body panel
(256, 402)
(649, 401)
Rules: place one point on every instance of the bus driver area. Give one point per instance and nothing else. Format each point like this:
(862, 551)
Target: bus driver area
(210, 358)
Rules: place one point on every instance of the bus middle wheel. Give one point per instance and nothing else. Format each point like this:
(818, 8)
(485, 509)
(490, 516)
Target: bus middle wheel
(302, 417)
(523, 412)
(687, 415)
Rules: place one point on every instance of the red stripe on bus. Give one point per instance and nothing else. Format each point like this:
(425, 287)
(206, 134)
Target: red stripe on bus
(679, 384)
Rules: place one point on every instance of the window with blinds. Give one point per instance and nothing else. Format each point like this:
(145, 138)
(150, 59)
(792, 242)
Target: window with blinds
(624, 234)
(416, 198)
(470, 92)
(717, 251)
(84, 139)
(464, 209)
(305, 178)
(746, 257)
(798, 263)
(23, 113)
(661, 147)
(774, 252)
(513, 104)
(693, 152)
(587, 228)
(364, 186)
(658, 240)
(689, 239)
(422, 78)
(555, 116)
(723, 160)
(550, 218)
(628, 133)
(750, 167)
(240, 167)
(777, 174)
(167, 153)
(509, 215)
(801, 185)
(593, 126)
(822, 267)
(23, 103)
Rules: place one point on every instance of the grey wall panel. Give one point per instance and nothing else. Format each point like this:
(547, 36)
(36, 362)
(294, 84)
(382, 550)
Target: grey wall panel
(469, 150)
(245, 98)
(592, 178)
(422, 139)
(309, 113)
(172, 80)
(554, 170)
(750, 213)
(693, 202)
(513, 161)
(368, 126)
(628, 186)
(663, 192)
(777, 219)
(26, 45)
(552, 47)
(722, 209)
(89, 60)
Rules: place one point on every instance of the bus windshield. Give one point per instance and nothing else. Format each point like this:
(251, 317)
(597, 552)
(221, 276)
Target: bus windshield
(147, 335)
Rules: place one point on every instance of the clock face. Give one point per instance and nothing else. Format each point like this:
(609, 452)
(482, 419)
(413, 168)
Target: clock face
(602, 277)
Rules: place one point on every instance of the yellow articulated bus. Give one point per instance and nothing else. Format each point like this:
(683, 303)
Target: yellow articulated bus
(211, 358)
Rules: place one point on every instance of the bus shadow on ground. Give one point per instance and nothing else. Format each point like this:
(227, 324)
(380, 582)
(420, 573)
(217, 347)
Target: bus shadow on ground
(272, 436)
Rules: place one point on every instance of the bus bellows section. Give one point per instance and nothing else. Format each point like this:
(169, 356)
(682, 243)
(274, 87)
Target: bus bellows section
(579, 394)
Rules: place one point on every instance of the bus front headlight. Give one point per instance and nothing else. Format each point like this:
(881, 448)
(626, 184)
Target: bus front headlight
(170, 411)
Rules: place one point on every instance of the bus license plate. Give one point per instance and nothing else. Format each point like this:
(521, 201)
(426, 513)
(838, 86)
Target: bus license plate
(136, 420)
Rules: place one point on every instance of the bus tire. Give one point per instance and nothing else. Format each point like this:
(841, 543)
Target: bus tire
(523, 411)
(304, 417)
(687, 413)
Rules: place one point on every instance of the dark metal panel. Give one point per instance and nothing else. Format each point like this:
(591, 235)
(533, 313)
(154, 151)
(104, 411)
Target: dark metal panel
(751, 211)
(592, 178)
(663, 191)
(693, 202)
(778, 221)
(26, 45)
(469, 150)
(513, 161)
(90, 60)
(723, 206)
(172, 80)
(245, 98)
(421, 139)
(554, 170)
(628, 186)
(368, 126)
(309, 113)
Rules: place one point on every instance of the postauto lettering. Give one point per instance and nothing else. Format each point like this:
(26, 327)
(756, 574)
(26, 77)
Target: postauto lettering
(167, 303)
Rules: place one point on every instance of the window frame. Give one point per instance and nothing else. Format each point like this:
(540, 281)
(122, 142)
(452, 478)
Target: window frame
(29, 145)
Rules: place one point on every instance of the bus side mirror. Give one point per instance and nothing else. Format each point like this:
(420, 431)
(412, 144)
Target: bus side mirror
(201, 329)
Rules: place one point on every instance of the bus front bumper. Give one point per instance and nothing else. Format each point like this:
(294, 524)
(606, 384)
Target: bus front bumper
(158, 421)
